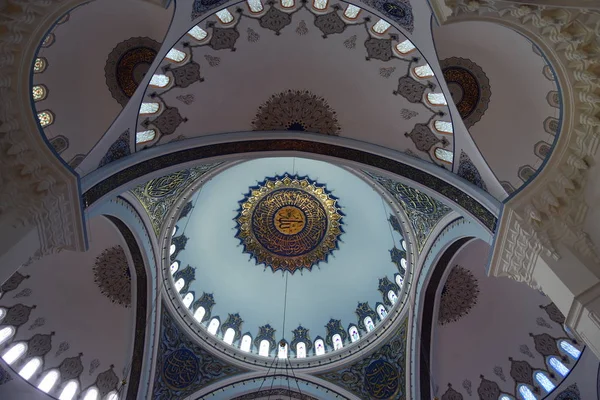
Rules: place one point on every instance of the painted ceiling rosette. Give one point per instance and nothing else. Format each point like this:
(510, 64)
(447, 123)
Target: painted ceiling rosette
(289, 223)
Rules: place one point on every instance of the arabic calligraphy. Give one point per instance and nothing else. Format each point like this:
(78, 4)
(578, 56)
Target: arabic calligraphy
(180, 369)
(290, 220)
(381, 380)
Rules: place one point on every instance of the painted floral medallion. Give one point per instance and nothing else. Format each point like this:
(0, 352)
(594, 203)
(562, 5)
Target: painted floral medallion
(289, 223)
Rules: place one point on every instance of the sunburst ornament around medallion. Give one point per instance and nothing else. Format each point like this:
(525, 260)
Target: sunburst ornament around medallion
(112, 275)
(296, 110)
(289, 223)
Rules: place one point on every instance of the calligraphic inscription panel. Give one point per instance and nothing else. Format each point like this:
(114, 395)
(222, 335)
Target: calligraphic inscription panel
(289, 222)
(381, 380)
(180, 369)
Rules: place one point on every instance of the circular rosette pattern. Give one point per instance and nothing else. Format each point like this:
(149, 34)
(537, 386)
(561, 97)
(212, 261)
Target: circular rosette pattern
(288, 223)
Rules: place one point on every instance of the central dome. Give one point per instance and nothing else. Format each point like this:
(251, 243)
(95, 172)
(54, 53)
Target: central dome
(289, 223)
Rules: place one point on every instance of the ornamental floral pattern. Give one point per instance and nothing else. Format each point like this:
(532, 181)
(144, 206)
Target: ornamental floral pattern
(112, 275)
(459, 295)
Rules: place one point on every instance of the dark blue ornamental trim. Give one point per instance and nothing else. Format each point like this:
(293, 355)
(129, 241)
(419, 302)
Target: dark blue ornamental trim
(188, 274)
(395, 223)
(334, 326)
(179, 242)
(185, 211)
(207, 301)
(399, 11)
(397, 255)
(265, 332)
(301, 335)
(234, 321)
(364, 310)
(385, 285)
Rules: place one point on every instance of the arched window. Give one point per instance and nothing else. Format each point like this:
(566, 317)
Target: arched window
(255, 6)
(174, 267)
(301, 350)
(213, 326)
(224, 16)
(188, 299)
(246, 343)
(319, 347)
(112, 396)
(354, 336)
(39, 92)
(558, 366)
(287, 3)
(403, 244)
(199, 314)
(198, 33)
(352, 11)
(29, 369)
(399, 280)
(264, 348)
(145, 136)
(229, 336)
(6, 333)
(176, 55)
(405, 47)
(149, 108)
(403, 263)
(282, 352)
(443, 126)
(444, 155)
(566, 346)
(179, 284)
(526, 393)
(174, 231)
(91, 394)
(48, 40)
(159, 80)
(68, 393)
(369, 324)
(49, 381)
(14, 353)
(337, 341)
(381, 27)
(46, 118)
(320, 4)
(544, 381)
(423, 71)
(381, 311)
(2, 311)
(40, 65)
(392, 297)
(436, 99)
(172, 249)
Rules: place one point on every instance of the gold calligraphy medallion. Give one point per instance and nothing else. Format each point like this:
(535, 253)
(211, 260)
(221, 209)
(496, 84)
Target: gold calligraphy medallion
(289, 223)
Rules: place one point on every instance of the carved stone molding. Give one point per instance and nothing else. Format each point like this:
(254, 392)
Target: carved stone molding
(37, 188)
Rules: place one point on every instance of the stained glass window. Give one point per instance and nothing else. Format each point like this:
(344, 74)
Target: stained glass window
(403, 263)
(352, 11)
(91, 394)
(319, 347)
(405, 47)
(282, 352)
(188, 299)
(213, 326)
(320, 4)
(179, 284)
(225, 16)
(229, 336)
(172, 249)
(29, 369)
(149, 108)
(198, 33)
(570, 349)
(40, 65)
(199, 314)
(544, 381)
(381, 27)
(444, 155)
(423, 71)
(48, 40)
(246, 343)
(436, 99)
(558, 366)
(399, 280)
(255, 6)
(146, 136)
(46, 118)
(287, 3)
(443, 126)
(159, 80)
(14, 353)
(354, 336)
(392, 297)
(301, 350)
(381, 311)
(69, 391)
(174, 267)
(5, 333)
(403, 244)
(49, 381)
(505, 397)
(2, 313)
(337, 341)
(176, 55)
(526, 393)
(369, 324)
(39, 92)
(263, 348)
(112, 396)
